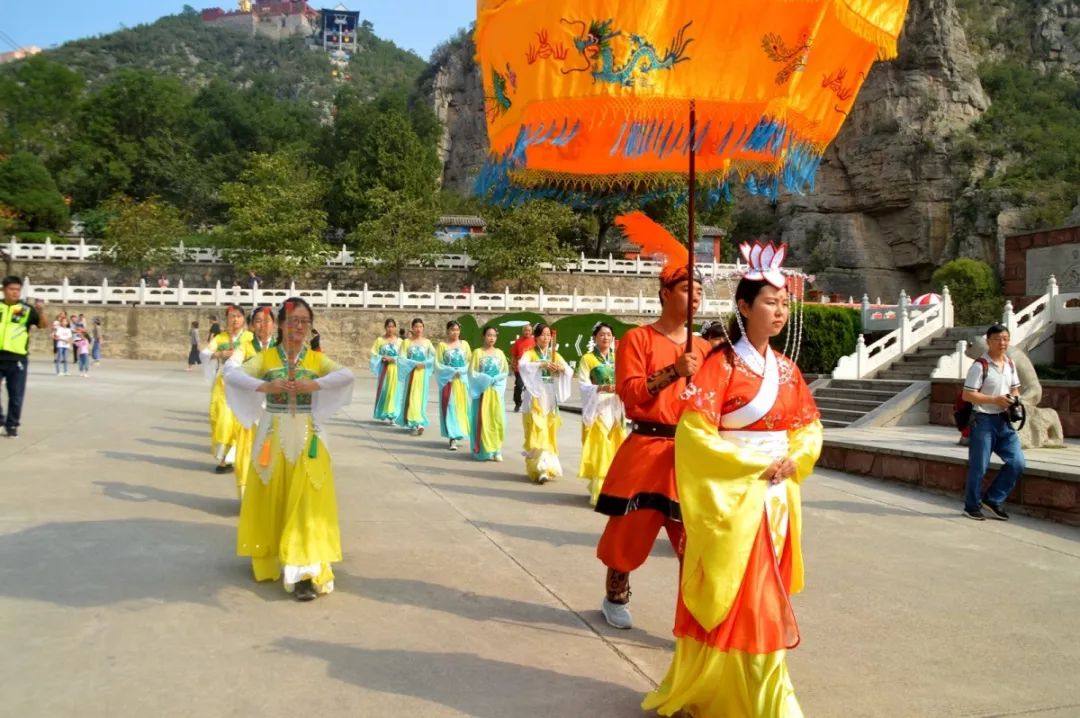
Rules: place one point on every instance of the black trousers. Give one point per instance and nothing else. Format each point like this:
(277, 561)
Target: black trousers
(13, 373)
(518, 388)
(193, 357)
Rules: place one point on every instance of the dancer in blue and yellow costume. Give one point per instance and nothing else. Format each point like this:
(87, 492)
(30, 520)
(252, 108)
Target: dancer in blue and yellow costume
(603, 420)
(384, 355)
(223, 427)
(414, 367)
(452, 374)
(748, 438)
(288, 519)
(547, 382)
(488, 371)
(262, 327)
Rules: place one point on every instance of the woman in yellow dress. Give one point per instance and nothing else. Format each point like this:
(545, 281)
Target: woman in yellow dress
(223, 427)
(603, 421)
(452, 374)
(288, 519)
(547, 382)
(414, 369)
(384, 354)
(488, 371)
(263, 336)
(749, 437)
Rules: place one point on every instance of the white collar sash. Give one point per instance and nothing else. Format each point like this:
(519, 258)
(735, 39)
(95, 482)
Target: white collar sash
(760, 405)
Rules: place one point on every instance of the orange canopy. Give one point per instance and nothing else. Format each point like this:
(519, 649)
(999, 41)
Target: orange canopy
(591, 95)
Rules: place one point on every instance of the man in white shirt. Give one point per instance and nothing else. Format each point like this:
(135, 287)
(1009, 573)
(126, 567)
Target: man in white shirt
(992, 386)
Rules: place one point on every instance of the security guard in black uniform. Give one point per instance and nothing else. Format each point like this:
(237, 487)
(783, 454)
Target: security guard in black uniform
(16, 318)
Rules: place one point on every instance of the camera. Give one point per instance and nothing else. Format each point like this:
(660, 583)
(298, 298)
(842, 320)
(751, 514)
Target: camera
(1015, 410)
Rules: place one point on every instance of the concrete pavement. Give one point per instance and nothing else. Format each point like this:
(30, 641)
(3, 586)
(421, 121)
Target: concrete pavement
(465, 590)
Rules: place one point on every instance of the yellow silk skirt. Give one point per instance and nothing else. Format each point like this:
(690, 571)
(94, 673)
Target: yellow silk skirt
(598, 447)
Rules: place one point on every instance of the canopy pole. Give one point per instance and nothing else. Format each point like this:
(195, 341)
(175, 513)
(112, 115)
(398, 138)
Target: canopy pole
(690, 238)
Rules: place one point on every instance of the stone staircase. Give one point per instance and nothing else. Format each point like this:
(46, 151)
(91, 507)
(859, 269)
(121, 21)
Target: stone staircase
(918, 365)
(845, 401)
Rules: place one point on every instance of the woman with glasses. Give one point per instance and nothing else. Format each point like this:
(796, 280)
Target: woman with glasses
(289, 518)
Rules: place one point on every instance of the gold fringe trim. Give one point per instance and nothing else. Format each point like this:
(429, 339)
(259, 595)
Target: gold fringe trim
(864, 28)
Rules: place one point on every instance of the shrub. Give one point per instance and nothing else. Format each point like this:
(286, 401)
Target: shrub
(974, 290)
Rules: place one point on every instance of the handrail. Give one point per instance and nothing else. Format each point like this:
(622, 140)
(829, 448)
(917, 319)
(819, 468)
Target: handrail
(365, 298)
(81, 252)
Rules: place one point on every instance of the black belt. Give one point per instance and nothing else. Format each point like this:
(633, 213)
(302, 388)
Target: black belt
(648, 428)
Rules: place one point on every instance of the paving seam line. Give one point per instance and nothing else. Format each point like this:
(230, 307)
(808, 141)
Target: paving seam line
(584, 622)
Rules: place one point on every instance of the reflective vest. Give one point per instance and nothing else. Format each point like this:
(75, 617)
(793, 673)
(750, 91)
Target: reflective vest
(14, 328)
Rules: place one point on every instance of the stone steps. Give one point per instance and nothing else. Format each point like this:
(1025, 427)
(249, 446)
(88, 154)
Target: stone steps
(841, 402)
(845, 401)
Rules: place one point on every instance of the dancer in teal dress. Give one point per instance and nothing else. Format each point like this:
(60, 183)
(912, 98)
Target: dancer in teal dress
(384, 355)
(414, 366)
(451, 372)
(488, 370)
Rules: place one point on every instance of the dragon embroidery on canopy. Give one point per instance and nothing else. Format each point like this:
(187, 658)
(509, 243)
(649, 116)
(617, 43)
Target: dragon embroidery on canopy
(793, 58)
(594, 44)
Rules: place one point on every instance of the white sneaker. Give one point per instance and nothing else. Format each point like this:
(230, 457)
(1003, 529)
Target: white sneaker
(616, 614)
(498, 457)
(453, 444)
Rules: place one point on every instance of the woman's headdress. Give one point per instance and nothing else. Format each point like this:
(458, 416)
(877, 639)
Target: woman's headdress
(764, 262)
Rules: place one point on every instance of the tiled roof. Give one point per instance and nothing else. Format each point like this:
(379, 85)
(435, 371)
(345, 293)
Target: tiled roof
(461, 220)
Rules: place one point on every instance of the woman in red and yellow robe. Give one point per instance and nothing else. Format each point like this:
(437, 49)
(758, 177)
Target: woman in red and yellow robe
(743, 556)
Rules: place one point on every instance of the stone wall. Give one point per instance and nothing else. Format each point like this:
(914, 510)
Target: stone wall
(1040, 493)
(1030, 259)
(205, 275)
(161, 333)
(1061, 396)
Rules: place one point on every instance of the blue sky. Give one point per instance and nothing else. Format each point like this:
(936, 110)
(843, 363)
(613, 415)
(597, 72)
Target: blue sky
(417, 25)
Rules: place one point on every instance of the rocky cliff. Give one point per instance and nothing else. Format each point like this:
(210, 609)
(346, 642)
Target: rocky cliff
(901, 189)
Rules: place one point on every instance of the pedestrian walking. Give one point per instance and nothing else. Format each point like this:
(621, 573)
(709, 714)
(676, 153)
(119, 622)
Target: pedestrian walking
(16, 319)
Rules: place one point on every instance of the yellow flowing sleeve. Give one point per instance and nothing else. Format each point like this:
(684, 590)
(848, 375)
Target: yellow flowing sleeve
(722, 497)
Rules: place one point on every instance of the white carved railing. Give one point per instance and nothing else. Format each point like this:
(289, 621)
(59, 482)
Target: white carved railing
(916, 328)
(1028, 328)
(365, 298)
(49, 251)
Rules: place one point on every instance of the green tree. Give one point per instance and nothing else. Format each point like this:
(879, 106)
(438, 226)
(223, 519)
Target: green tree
(378, 144)
(37, 101)
(276, 221)
(520, 239)
(132, 138)
(27, 188)
(403, 232)
(142, 234)
(974, 290)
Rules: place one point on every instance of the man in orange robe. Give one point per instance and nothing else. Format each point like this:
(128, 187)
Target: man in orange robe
(652, 368)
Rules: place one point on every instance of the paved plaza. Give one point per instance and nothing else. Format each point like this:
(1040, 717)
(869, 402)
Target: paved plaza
(465, 590)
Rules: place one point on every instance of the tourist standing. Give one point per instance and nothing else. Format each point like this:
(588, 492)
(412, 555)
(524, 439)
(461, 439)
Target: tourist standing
(547, 382)
(223, 426)
(414, 365)
(748, 438)
(98, 338)
(289, 518)
(62, 336)
(82, 351)
(384, 355)
(603, 421)
(16, 319)
(992, 386)
(522, 344)
(487, 387)
(451, 374)
(193, 357)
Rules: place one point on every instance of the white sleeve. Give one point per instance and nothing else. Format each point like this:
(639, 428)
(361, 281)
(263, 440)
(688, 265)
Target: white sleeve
(974, 377)
(335, 394)
(562, 382)
(242, 391)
